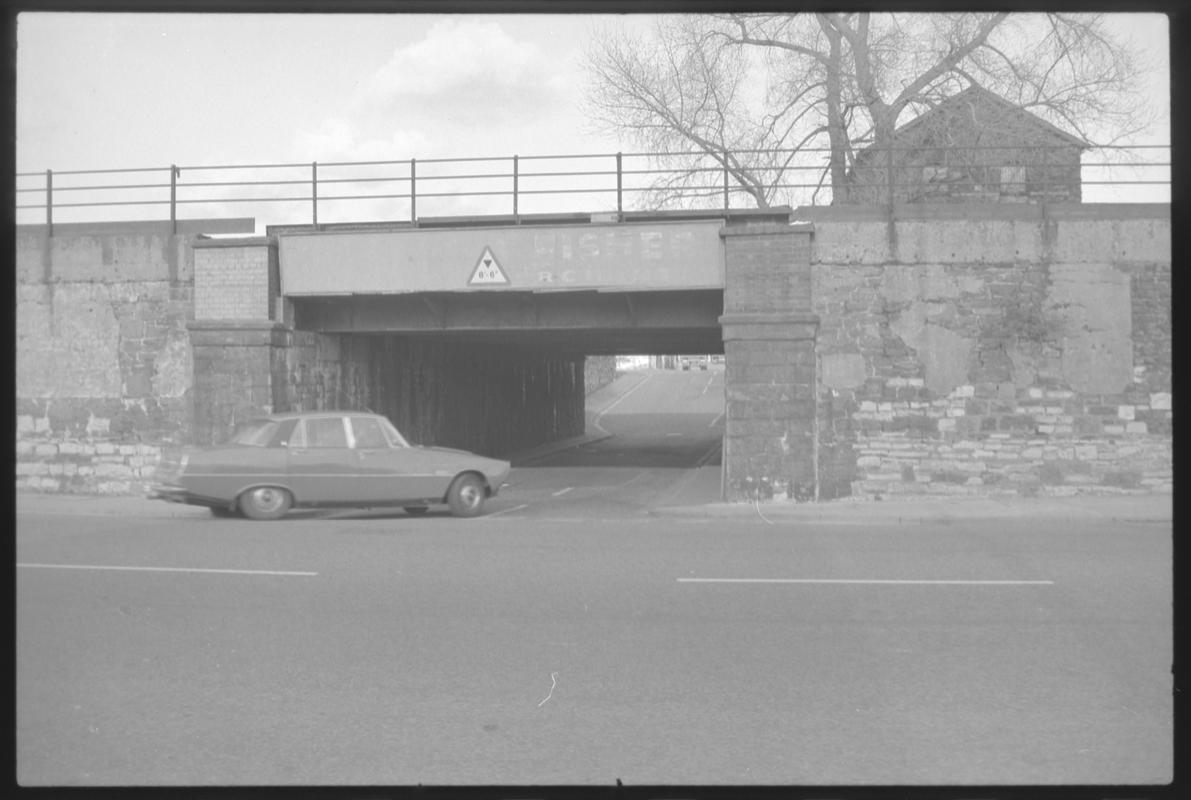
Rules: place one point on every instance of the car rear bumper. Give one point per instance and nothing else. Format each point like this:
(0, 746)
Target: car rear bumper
(176, 494)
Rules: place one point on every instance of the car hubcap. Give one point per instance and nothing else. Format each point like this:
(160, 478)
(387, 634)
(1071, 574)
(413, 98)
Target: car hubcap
(470, 495)
(267, 500)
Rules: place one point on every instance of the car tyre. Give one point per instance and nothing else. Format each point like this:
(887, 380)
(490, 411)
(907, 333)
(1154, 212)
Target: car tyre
(416, 511)
(224, 512)
(466, 495)
(265, 502)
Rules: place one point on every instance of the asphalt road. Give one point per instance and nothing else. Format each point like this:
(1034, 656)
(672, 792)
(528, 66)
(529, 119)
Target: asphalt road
(570, 637)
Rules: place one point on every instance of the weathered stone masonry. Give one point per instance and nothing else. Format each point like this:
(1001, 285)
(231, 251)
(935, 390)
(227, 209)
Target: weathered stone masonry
(103, 358)
(949, 349)
(1017, 350)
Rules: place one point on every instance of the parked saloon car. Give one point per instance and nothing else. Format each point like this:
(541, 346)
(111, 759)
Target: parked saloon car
(340, 458)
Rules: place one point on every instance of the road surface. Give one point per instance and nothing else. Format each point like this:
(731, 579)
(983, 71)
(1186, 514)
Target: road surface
(570, 637)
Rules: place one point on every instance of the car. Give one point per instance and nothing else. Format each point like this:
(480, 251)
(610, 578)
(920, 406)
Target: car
(326, 459)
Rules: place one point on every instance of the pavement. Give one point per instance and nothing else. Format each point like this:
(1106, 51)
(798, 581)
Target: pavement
(697, 496)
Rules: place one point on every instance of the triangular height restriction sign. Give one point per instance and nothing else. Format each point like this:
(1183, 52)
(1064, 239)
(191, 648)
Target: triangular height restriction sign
(488, 271)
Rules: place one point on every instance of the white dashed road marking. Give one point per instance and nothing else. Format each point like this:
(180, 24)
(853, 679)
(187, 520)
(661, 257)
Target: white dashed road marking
(867, 581)
(505, 511)
(561, 492)
(169, 569)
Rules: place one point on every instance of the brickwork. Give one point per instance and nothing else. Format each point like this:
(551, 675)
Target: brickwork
(234, 280)
(769, 347)
(986, 377)
(235, 374)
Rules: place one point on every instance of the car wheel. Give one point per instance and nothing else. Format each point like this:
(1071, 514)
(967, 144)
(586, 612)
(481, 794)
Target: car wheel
(265, 502)
(466, 496)
(224, 512)
(416, 511)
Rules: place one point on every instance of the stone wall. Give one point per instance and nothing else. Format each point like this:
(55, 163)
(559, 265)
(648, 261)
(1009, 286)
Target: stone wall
(104, 368)
(984, 351)
(598, 371)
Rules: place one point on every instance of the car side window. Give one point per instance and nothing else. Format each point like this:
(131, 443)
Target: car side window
(368, 434)
(325, 432)
(297, 439)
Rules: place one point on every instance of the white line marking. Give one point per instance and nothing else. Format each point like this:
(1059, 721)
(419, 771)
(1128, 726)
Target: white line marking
(868, 581)
(596, 422)
(561, 492)
(506, 511)
(717, 419)
(168, 569)
(675, 434)
(710, 454)
(708, 386)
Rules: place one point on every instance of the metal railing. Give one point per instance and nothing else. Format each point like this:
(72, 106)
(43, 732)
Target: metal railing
(517, 185)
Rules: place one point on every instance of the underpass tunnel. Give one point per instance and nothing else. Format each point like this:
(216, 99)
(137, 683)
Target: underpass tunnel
(495, 374)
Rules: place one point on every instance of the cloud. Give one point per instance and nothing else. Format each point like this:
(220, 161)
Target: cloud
(468, 87)
(457, 55)
(464, 79)
(339, 139)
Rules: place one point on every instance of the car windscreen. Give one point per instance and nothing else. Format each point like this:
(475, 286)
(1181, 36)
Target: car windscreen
(391, 433)
(257, 434)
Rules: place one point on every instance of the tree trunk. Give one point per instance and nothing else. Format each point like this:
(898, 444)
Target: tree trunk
(837, 133)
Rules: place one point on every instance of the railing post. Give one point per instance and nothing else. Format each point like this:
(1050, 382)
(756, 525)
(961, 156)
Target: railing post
(516, 217)
(314, 189)
(174, 198)
(413, 191)
(725, 180)
(619, 188)
(49, 201)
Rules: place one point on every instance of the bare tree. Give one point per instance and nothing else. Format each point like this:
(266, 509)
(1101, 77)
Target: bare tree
(751, 92)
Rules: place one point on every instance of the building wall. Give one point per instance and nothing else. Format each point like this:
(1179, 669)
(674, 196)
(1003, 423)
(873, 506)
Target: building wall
(104, 367)
(1009, 352)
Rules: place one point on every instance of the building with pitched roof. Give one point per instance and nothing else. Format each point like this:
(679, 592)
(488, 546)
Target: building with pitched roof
(973, 147)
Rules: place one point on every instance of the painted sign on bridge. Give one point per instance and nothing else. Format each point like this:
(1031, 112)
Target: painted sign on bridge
(603, 257)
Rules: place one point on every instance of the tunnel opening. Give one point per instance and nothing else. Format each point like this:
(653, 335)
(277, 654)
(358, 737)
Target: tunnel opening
(504, 373)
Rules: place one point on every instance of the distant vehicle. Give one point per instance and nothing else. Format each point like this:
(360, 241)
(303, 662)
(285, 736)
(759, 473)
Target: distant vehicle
(327, 458)
(689, 362)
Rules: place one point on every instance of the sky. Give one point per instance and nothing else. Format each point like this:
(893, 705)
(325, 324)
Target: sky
(126, 90)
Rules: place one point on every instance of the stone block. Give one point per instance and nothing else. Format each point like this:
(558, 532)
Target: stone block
(1160, 401)
(1136, 427)
(112, 470)
(1126, 412)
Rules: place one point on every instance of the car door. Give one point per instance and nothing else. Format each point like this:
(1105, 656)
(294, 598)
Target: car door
(390, 471)
(322, 466)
